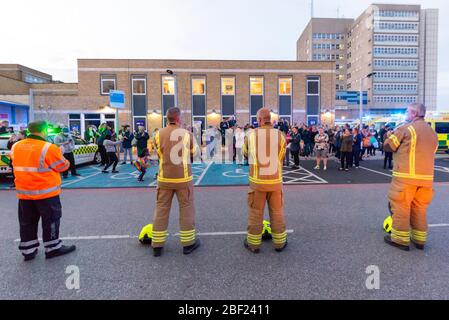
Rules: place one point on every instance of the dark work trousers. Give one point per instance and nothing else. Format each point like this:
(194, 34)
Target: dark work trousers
(30, 211)
(345, 159)
(388, 157)
(337, 152)
(103, 154)
(355, 157)
(362, 153)
(287, 158)
(142, 174)
(113, 161)
(69, 156)
(295, 155)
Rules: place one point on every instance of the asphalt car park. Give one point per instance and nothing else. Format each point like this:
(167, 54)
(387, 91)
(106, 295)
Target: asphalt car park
(335, 234)
(219, 174)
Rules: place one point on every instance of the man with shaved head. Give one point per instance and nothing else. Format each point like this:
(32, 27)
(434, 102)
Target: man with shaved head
(265, 149)
(414, 145)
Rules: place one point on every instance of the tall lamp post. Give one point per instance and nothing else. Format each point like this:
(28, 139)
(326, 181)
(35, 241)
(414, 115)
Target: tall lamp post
(361, 95)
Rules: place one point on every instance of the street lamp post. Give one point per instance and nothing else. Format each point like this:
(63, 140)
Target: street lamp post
(361, 95)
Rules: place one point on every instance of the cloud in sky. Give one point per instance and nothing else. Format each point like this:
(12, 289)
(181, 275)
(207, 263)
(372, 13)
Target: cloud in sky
(49, 35)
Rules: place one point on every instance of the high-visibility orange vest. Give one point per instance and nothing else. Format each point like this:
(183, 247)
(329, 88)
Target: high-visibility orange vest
(37, 164)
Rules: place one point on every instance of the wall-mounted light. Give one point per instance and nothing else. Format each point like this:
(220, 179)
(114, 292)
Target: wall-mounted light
(214, 113)
(169, 71)
(154, 113)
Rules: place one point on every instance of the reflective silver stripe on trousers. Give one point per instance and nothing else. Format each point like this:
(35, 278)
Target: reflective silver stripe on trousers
(31, 169)
(37, 192)
(29, 243)
(47, 250)
(43, 154)
(28, 251)
(49, 243)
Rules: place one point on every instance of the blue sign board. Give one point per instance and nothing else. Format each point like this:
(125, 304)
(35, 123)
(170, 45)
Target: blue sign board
(117, 99)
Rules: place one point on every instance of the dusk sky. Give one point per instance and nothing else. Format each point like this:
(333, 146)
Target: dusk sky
(49, 35)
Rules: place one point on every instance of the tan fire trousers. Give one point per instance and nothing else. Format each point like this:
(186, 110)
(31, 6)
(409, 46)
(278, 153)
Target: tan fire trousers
(256, 204)
(186, 215)
(409, 206)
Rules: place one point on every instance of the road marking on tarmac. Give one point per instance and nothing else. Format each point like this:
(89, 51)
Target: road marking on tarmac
(378, 172)
(441, 225)
(81, 179)
(118, 237)
(203, 173)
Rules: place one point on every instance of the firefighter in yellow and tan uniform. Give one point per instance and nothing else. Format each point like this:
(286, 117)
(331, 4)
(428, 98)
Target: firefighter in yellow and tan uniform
(174, 146)
(265, 148)
(414, 146)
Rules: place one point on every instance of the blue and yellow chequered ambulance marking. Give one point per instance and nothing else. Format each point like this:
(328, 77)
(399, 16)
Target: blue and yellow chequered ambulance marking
(85, 150)
(443, 141)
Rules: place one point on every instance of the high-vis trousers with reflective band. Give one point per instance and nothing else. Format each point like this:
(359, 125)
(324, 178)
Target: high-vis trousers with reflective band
(186, 215)
(409, 206)
(30, 211)
(256, 204)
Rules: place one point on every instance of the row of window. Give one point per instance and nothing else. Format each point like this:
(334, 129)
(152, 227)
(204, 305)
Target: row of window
(397, 75)
(395, 50)
(329, 36)
(395, 38)
(391, 13)
(328, 46)
(395, 87)
(395, 63)
(320, 56)
(29, 78)
(256, 84)
(396, 99)
(396, 26)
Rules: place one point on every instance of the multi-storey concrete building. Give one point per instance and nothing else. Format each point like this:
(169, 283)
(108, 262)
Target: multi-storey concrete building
(205, 90)
(398, 43)
(324, 39)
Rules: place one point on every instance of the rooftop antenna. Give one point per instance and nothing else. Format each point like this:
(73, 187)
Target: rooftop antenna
(338, 12)
(311, 9)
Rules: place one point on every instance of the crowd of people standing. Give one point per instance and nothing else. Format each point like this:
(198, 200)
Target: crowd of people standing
(348, 144)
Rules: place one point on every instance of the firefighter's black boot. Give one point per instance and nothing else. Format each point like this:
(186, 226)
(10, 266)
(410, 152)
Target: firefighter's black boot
(191, 248)
(390, 242)
(157, 252)
(60, 252)
(245, 244)
(418, 245)
(283, 248)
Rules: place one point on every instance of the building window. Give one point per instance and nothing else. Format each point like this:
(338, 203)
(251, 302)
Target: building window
(285, 97)
(227, 86)
(313, 86)
(108, 82)
(139, 96)
(198, 86)
(139, 85)
(313, 109)
(168, 95)
(75, 123)
(199, 101)
(227, 96)
(256, 86)
(168, 85)
(285, 86)
(256, 96)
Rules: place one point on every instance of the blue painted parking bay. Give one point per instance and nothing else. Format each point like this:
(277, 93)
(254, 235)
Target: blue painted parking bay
(219, 174)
